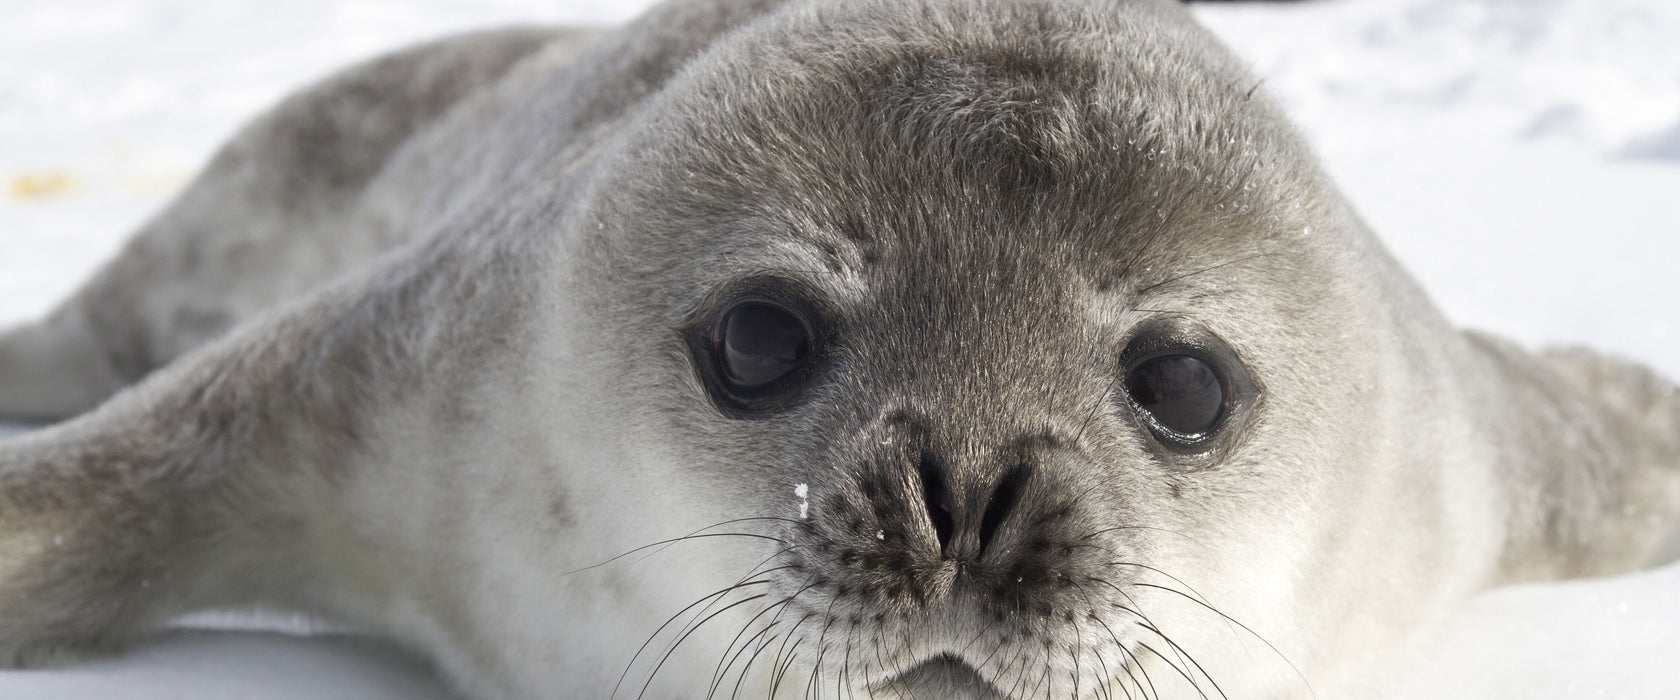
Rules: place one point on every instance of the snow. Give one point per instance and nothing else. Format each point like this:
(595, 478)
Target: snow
(216, 665)
(1610, 638)
(1521, 157)
(1481, 138)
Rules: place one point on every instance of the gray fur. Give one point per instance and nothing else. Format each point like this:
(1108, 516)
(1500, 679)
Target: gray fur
(410, 354)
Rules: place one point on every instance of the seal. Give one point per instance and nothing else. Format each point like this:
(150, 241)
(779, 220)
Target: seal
(945, 348)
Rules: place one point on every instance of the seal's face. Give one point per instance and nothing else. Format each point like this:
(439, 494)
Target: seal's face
(1029, 358)
(1002, 355)
(1001, 483)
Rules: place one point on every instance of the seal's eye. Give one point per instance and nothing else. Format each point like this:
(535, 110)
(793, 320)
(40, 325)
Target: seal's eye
(1188, 389)
(759, 347)
(759, 343)
(1181, 393)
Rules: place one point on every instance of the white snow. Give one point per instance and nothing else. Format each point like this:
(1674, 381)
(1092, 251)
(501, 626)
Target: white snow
(1522, 158)
(250, 665)
(1519, 156)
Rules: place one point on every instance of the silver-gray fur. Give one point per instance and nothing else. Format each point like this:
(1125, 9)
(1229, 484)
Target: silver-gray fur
(415, 352)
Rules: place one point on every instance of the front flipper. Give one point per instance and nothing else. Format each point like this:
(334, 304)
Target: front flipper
(182, 493)
(222, 480)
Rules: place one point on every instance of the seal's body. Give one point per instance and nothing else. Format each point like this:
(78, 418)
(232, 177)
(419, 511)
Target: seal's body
(944, 349)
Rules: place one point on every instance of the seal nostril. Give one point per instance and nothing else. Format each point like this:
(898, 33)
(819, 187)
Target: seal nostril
(937, 498)
(1003, 501)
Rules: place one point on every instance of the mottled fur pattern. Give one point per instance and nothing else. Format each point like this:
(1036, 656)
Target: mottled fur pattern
(412, 354)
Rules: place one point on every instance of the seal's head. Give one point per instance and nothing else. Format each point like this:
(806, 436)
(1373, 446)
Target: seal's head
(1042, 350)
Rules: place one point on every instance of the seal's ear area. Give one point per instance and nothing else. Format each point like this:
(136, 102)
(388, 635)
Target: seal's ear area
(272, 215)
(1595, 442)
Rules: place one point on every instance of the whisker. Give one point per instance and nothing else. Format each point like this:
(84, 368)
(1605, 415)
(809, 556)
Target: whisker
(1198, 597)
(1175, 533)
(811, 689)
(822, 646)
(743, 677)
(1135, 662)
(1187, 677)
(841, 682)
(1097, 404)
(1204, 270)
(1117, 644)
(680, 640)
(692, 536)
(1191, 658)
(1045, 678)
(1078, 646)
(1160, 229)
(876, 646)
(898, 668)
(814, 273)
(776, 678)
(719, 673)
(757, 570)
(1021, 677)
(1136, 610)
(995, 649)
(977, 635)
(1107, 676)
(718, 680)
(695, 623)
(1281, 656)
(668, 621)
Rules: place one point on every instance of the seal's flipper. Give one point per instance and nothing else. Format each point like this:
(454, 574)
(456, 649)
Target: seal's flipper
(56, 367)
(1591, 449)
(273, 215)
(221, 479)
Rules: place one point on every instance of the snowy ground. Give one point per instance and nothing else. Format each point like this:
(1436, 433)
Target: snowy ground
(1522, 157)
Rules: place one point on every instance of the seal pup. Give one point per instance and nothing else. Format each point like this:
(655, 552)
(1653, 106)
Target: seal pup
(984, 349)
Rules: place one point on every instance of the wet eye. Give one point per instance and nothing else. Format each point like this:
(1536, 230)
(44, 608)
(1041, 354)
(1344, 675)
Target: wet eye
(758, 349)
(758, 344)
(1181, 393)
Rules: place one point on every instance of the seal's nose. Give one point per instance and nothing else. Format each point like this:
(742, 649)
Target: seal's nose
(965, 526)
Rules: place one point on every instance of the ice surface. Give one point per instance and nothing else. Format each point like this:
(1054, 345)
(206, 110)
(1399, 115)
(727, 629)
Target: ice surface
(1521, 158)
(200, 665)
(1663, 145)
(1514, 155)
